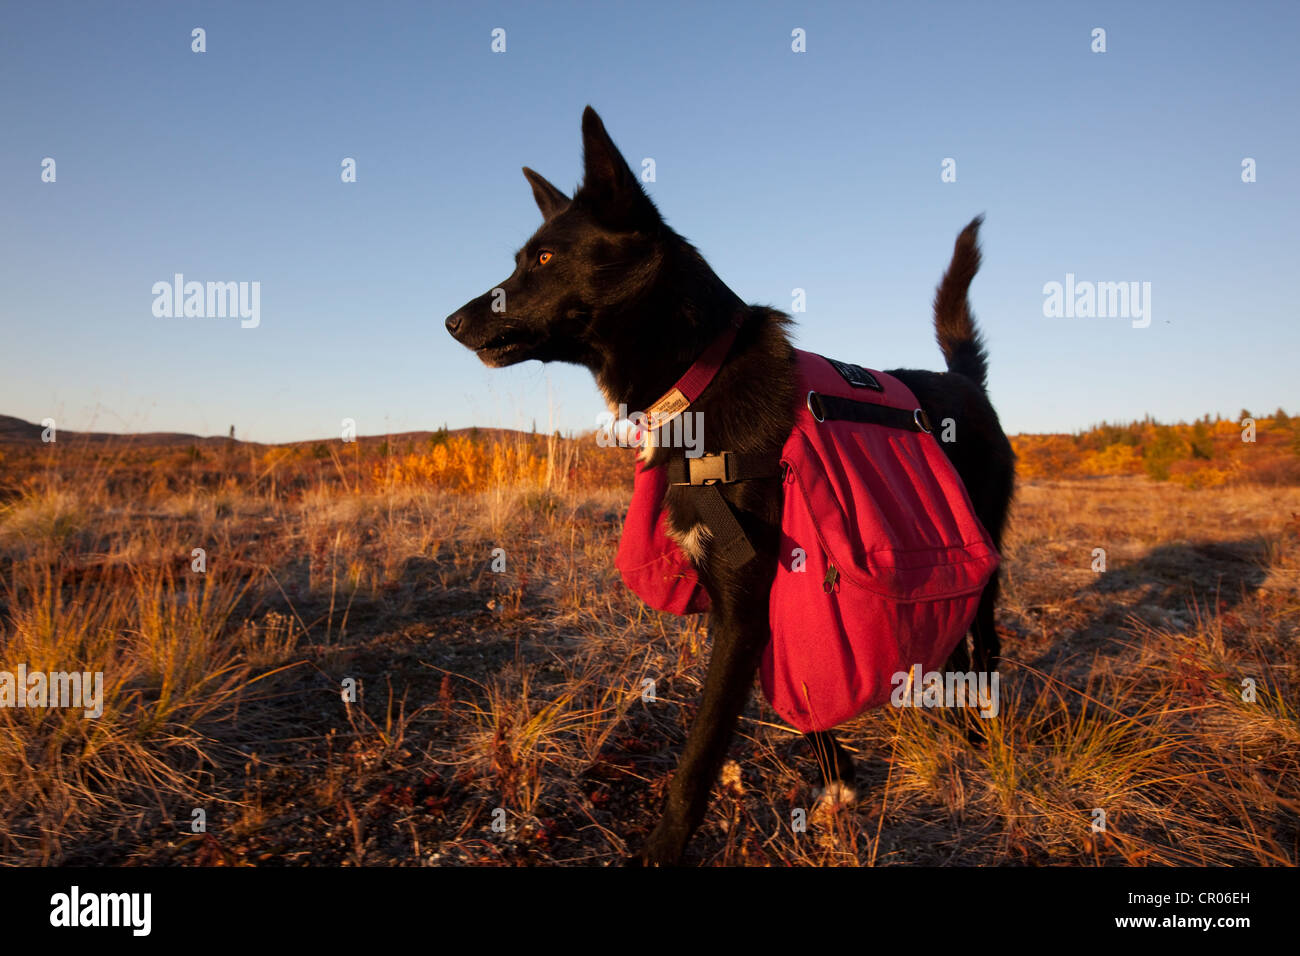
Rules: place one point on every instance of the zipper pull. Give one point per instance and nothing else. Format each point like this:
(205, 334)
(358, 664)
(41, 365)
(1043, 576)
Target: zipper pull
(832, 576)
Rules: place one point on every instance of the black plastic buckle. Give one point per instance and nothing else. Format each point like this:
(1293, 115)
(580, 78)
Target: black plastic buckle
(711, 469)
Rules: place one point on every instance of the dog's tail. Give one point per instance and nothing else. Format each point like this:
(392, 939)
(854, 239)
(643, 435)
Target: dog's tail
(954, 326)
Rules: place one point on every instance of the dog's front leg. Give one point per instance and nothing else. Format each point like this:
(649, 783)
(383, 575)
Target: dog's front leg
(739, 633)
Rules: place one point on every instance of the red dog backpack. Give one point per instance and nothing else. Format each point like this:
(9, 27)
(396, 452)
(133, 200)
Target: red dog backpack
(882, 558)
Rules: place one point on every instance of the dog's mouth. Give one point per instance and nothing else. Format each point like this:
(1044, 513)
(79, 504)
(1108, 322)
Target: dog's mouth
(505, 348)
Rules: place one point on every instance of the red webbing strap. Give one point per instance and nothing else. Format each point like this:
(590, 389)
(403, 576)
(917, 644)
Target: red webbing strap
(697, 378)
(728, 538)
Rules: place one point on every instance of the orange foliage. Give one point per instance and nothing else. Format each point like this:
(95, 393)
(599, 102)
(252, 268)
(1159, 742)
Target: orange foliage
(460, 464)
(1203, 454)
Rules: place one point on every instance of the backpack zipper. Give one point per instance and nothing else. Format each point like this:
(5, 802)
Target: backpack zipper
(832, 578)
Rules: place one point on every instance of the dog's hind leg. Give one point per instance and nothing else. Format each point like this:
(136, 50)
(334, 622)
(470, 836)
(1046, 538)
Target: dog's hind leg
(982, 659)
(835, 766)
(959, 660)
(984, 633)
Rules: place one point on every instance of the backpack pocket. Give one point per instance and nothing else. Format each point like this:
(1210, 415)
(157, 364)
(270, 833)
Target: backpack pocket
(651, 563)
(882, 565)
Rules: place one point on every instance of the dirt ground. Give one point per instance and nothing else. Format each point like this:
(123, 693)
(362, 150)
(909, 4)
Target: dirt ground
(499, 717)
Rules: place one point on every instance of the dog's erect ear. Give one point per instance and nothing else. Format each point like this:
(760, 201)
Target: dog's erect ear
(550, 200)
(609, 184)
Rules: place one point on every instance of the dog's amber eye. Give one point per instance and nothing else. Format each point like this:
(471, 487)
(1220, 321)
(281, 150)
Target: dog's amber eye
(543, 258)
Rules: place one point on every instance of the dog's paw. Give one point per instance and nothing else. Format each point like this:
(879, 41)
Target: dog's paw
(664, 847)
(651, 856)
(651, 859)
(834, 795)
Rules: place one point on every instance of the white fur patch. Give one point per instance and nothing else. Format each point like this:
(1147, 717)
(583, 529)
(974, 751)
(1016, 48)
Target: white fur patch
(691, 541)
(647, 446)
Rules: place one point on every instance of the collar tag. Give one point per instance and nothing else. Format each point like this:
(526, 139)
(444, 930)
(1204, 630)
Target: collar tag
(672, 404)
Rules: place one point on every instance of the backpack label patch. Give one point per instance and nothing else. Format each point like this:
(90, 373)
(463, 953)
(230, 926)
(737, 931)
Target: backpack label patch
(856, 375)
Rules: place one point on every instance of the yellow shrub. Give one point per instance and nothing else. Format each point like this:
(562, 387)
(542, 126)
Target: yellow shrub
(1112, 460)
(463, 465)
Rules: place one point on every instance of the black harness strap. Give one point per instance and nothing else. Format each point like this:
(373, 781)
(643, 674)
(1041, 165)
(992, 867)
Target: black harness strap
(729, 538)
(706, 472)
(832, 408)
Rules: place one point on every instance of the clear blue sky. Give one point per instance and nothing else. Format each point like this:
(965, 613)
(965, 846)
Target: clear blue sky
(818, 170)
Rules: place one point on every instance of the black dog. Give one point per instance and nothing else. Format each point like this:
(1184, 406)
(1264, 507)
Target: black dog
(607, 284)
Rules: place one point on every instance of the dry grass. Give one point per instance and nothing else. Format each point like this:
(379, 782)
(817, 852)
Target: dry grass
(500, 715)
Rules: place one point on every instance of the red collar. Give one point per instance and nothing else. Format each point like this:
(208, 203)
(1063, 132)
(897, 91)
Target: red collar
(697, 378)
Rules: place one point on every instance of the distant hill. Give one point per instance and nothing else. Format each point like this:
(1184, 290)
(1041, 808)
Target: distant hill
(16, 431)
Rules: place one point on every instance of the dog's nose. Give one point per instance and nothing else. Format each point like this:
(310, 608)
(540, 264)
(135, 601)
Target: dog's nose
(454, 322)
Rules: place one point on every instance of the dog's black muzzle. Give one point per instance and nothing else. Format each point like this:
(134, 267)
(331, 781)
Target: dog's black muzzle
(495, 342)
